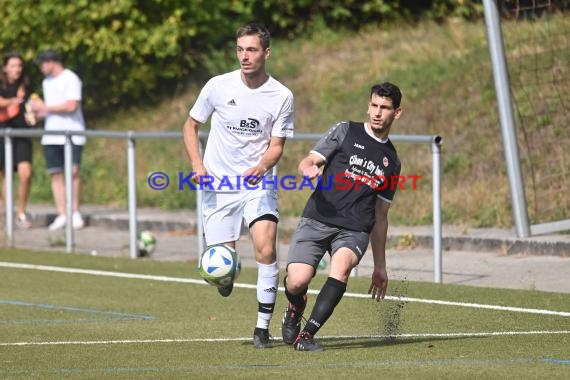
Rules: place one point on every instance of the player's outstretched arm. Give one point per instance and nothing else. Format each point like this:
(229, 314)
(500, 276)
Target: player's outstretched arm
(379, 283)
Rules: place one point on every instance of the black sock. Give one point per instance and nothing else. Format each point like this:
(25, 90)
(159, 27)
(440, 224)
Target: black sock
(297, 300)
(329, 296)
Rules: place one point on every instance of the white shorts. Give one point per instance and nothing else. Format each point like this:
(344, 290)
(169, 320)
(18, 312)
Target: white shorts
(224, 213)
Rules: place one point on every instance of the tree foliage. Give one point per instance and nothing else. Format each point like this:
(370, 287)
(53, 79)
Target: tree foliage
(124, 50)
(131, 51)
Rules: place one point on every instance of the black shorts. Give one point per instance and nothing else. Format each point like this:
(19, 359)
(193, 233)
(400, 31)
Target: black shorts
(313, 238)
(21, 149)
(55, 159)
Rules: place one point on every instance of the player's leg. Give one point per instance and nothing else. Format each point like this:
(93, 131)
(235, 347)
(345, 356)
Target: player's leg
(310, 241)
(58, 192)
(77, 220)
(348, 248)
(263, 234)
(54, 163)
(296, 284)
(2, 167)
(222, 216)
(23, 160)
(262, 216)
(25, 177)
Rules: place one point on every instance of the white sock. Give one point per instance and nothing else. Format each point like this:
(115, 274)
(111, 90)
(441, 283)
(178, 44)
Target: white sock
(267, 284)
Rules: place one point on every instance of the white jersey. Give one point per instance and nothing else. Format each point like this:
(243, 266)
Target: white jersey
(243, 121)
(57, 90)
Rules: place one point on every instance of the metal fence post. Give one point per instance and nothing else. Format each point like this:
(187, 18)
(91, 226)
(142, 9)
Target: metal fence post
(437, 259)
(68, 179)
(9, 175)
(506, 117)
(132, 188)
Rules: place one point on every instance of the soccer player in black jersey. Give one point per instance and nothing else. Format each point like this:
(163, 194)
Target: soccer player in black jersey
(348, 208)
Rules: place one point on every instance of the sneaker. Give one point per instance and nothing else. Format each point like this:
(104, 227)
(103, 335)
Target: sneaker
(77, 221)
(291, 323)
(305, 342)
(225, 291)
(58, 223)
(261, 338)
(23, 221)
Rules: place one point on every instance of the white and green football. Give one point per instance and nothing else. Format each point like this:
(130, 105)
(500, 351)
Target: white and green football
(146, 243)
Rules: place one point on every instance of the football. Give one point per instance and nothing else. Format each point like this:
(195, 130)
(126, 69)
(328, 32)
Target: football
(219, 265)
(146, 243)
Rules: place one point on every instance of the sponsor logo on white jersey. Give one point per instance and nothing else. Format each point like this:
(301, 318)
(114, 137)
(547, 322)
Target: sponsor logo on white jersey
(249, 123)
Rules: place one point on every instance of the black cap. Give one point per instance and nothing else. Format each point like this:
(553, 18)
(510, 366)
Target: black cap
(49, 55)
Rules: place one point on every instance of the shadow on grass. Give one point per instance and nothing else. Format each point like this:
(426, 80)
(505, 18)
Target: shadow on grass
(342, 343)
(372, 342)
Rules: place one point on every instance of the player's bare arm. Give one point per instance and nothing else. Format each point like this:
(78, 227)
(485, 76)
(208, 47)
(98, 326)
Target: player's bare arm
(310, 166)
(6, 102)
(378, 237)
(192, 146)
(269, 159)
(64, 108)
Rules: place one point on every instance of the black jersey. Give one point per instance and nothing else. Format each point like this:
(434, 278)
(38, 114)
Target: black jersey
(18, 121)
(359, 168)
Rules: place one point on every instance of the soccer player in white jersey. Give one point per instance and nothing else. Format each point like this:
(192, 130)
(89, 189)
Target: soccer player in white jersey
(251, 117)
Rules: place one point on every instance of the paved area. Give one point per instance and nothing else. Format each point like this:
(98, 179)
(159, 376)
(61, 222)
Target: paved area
(478, 261)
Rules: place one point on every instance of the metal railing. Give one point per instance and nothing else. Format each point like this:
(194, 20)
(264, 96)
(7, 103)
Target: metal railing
(131, 137)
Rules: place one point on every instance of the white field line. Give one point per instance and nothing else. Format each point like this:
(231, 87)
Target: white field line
(341, 337)
(250, 286)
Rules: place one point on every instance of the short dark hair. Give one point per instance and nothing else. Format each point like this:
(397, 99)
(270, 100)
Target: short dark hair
(388, 90)
(49, 55)
(255, 29)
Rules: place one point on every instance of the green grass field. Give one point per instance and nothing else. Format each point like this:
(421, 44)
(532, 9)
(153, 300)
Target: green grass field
(77, 316)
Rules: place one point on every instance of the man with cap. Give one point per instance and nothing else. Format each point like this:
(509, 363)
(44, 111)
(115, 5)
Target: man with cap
(61, 108)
